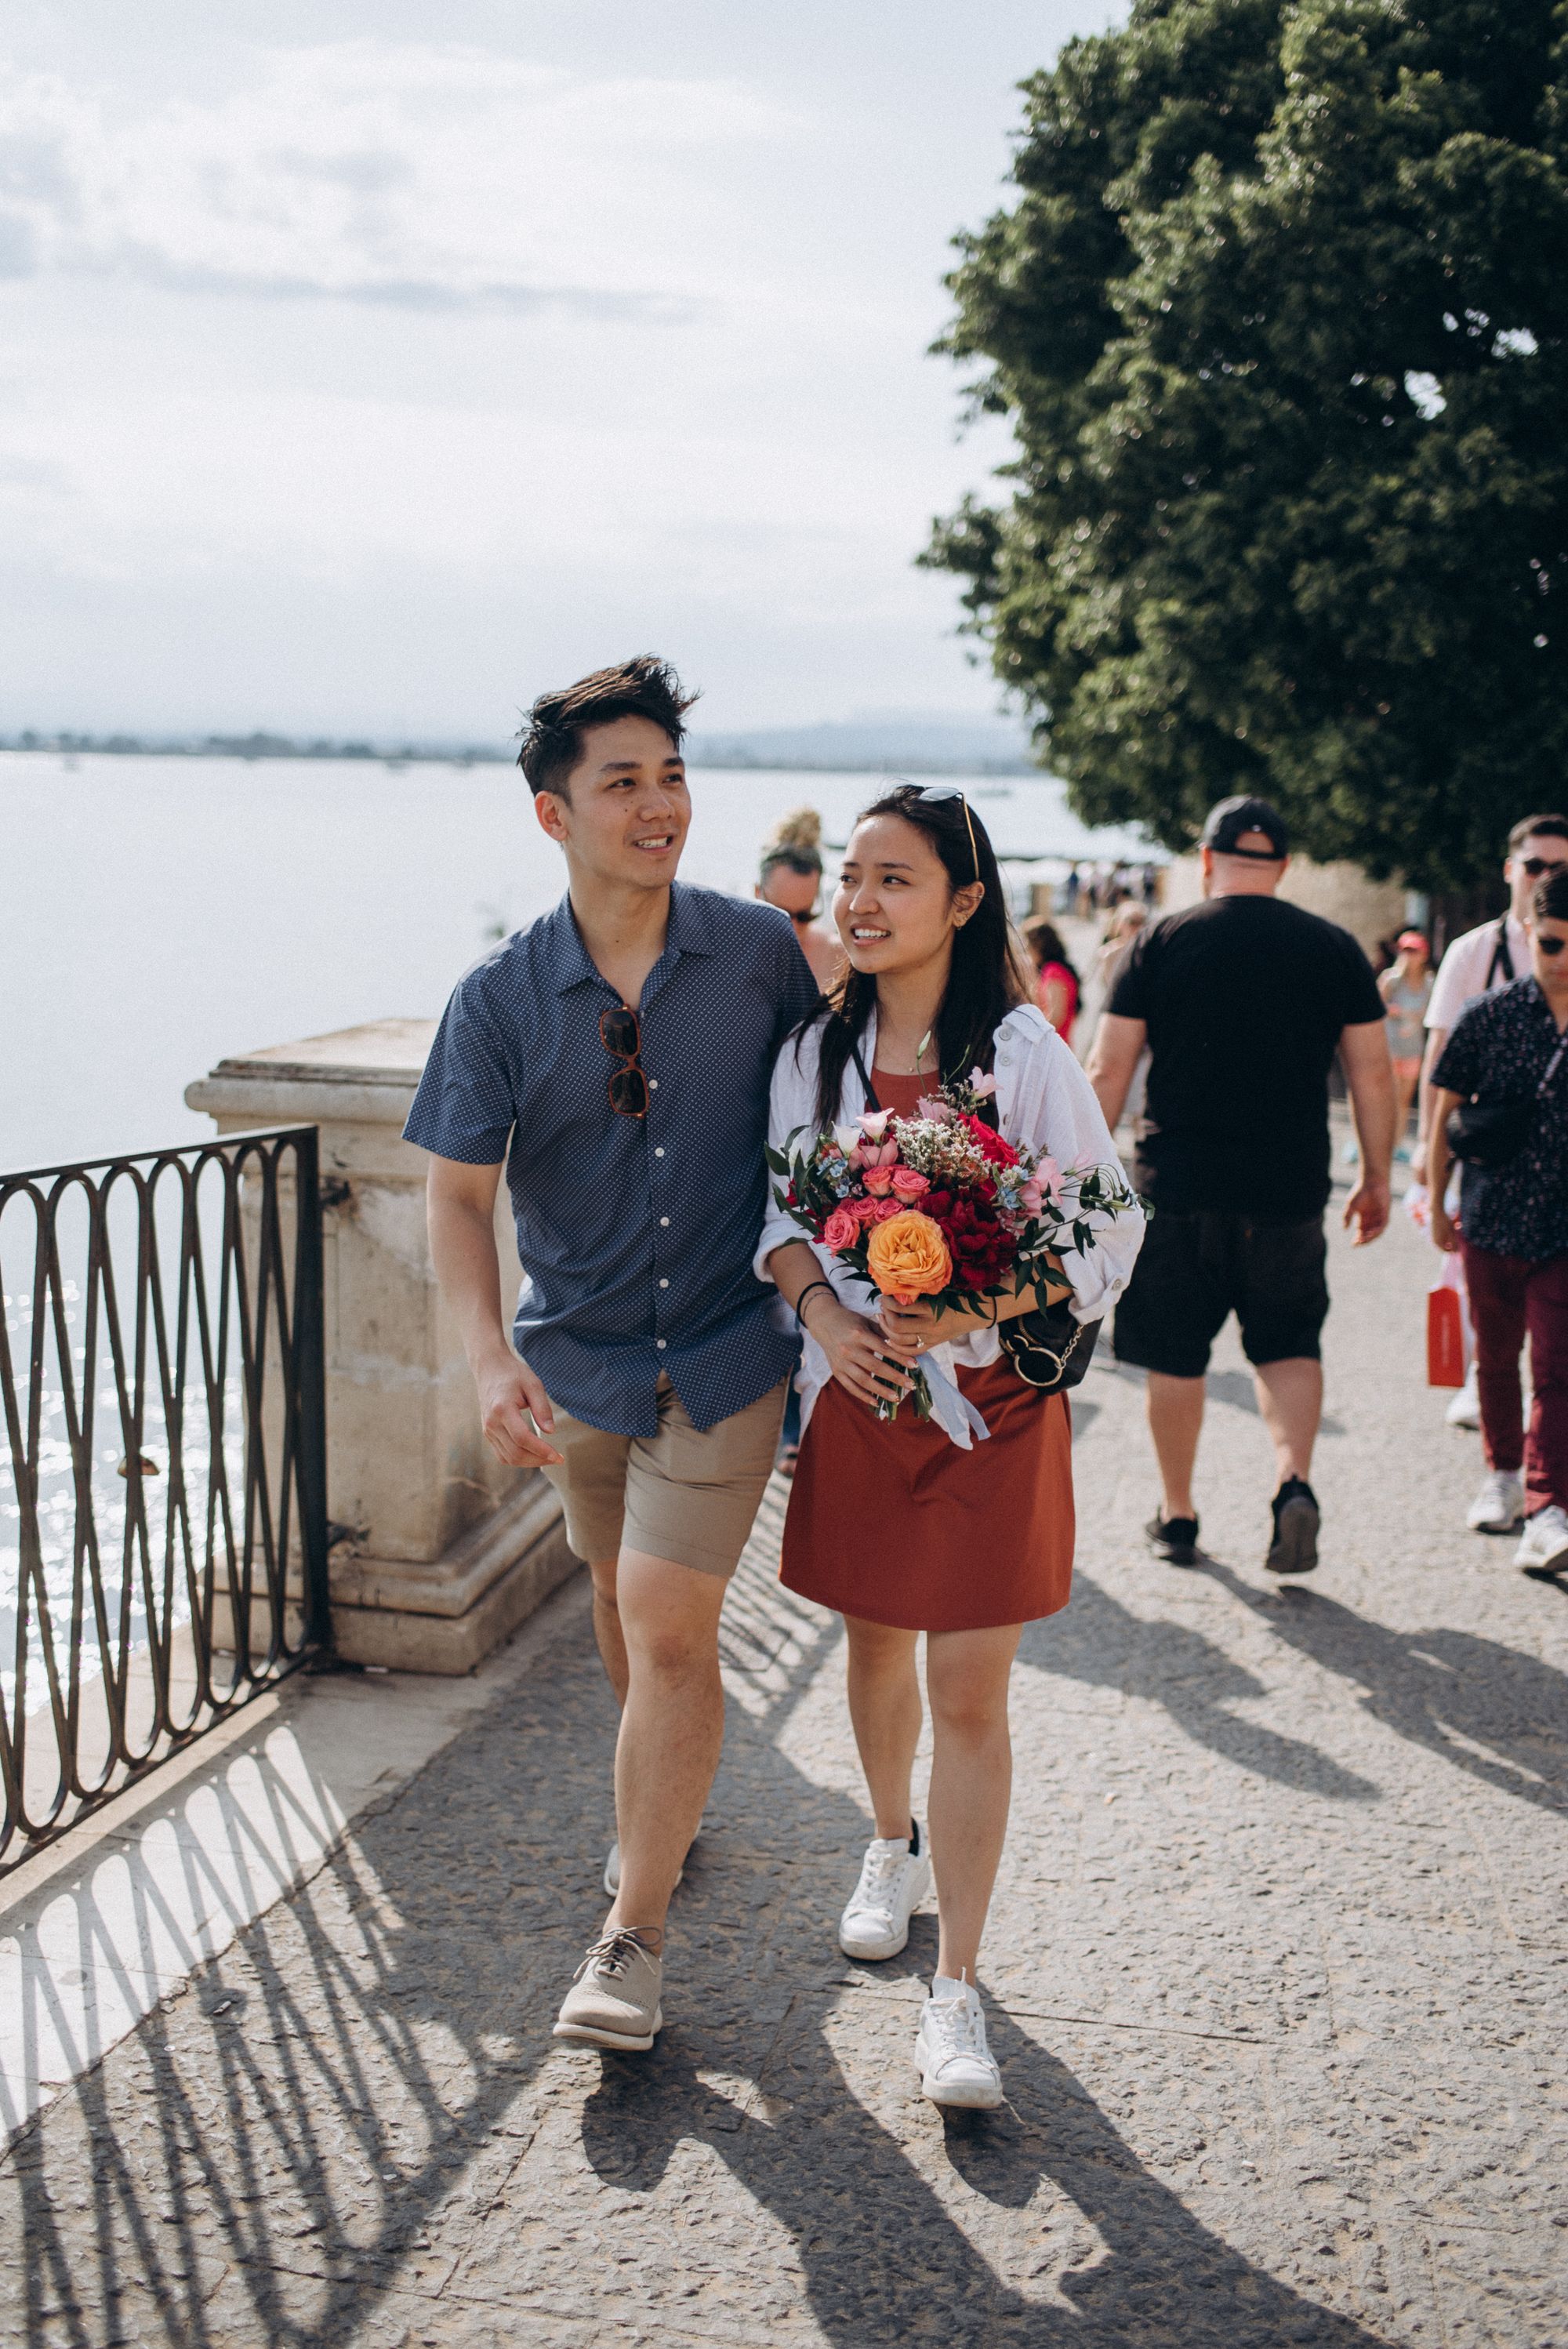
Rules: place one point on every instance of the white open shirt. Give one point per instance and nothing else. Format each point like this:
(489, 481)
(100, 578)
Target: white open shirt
(1043, 1103)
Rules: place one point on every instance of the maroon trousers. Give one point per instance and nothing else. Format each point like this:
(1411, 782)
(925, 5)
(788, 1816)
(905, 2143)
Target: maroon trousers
(1509, 1295)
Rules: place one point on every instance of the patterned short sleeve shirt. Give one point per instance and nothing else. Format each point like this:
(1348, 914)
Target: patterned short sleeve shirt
(636, 1234)
(1501, 1049)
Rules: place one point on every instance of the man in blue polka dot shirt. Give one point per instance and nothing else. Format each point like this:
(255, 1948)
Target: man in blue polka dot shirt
(615, 1058)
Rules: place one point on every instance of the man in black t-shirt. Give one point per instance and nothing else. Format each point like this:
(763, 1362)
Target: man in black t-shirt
(1243, 1003)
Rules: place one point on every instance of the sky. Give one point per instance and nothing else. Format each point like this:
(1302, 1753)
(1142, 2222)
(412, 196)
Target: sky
(370, 368)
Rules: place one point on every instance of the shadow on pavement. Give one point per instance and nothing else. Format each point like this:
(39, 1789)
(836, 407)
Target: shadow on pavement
(880, 2258)
(1435, 1687)
(1103, 1644)
(354, 2128)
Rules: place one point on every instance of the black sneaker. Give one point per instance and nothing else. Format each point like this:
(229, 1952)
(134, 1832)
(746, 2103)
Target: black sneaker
(1175, 1539)
(1293, 1549)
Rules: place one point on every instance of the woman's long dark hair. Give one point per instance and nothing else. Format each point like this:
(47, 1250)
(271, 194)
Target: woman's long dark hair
(987, 980)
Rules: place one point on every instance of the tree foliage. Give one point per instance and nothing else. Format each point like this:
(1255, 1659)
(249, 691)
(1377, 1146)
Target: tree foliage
(1280, 317)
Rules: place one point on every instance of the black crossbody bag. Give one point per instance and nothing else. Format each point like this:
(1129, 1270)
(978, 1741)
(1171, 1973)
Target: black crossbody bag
(1491, 1135)
(1048, 1347)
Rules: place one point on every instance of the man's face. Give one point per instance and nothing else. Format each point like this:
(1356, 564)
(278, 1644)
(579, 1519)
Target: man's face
(629, 811)
(1538, 853)
(795, 892)
(1548, 955)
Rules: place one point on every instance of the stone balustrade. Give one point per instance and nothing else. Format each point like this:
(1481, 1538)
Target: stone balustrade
(438, 1551)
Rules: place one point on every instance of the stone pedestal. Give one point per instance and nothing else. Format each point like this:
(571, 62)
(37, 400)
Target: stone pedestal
(438, 1551)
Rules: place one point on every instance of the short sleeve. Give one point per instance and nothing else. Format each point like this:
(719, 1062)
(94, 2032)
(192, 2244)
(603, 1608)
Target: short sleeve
(1363, 1002)
(466, 1103)
(1130, 991)
(1462, 1061)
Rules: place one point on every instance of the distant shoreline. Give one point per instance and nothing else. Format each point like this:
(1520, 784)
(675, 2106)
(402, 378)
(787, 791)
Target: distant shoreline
(255, 746)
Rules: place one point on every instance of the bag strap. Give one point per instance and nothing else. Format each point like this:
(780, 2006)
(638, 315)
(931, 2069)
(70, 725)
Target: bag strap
(865, 1075)
(1553, 1065)
(1500, 953)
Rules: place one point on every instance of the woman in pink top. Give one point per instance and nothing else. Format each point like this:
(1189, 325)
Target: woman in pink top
(1058, 982)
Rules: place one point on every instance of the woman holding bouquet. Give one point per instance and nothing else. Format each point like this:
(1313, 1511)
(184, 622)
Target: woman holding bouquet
(901, 1526)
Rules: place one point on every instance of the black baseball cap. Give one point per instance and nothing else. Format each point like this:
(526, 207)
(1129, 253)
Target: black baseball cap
(1231, 822)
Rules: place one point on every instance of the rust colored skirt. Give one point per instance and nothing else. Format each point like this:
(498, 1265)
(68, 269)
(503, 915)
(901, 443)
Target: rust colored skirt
(892, 1522)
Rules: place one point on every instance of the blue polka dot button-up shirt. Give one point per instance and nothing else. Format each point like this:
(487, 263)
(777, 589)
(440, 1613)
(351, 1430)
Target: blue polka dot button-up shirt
(636, 1234)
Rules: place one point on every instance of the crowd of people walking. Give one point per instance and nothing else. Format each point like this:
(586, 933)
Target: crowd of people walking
(633, 1063)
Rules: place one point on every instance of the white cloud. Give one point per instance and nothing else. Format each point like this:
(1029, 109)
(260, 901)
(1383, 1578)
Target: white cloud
(425, 177)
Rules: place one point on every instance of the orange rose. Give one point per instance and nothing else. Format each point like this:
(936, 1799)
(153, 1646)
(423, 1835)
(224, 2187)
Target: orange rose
(907, 1257)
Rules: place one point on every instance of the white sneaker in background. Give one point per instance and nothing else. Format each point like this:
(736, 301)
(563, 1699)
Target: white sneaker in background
(1465, 1409)
(957, 2066)
(896, 1877)
(1499, 1505)
(1545, 1544)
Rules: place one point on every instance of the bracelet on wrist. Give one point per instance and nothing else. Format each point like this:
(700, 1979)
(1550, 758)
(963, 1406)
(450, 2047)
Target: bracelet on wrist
(811, 1285)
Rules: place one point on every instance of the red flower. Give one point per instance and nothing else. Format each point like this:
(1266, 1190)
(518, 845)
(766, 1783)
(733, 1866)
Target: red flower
(994, 1146)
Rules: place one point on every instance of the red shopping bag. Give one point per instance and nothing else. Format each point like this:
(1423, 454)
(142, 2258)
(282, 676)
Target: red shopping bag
(1445, 1327)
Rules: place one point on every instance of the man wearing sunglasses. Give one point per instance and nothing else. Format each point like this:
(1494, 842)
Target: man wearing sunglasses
(1509, 1053)
(1490, 956)
(615, 1058)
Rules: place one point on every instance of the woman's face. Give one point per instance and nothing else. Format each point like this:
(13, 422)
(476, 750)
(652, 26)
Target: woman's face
(896, 907)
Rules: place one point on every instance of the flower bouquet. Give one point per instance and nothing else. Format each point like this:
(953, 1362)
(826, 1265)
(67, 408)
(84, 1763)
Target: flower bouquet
(941, 1206)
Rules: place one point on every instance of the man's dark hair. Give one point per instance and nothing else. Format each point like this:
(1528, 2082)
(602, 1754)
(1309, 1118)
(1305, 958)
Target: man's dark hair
(1549, 827)
(1549, 898)
(645, 686)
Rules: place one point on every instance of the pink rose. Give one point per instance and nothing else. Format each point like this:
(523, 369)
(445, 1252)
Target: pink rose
(908, 1183)
(842, 1230)
(1030, 1196)
(1049, 1174)
(864, 1211)
(879, 1181)
(886, 1207)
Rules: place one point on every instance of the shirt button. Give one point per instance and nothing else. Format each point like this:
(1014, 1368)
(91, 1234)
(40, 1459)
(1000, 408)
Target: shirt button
(652, 1084)
(658, 1150)
(664, 1220)
(663, 1284)
(659, 1342)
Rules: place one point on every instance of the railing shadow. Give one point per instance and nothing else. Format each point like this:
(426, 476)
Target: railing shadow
(333, 2129)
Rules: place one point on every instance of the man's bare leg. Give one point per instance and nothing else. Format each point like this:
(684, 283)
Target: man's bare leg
(1175, 1421)
(607, 1632)
(672, 1726)
(1290, 1397)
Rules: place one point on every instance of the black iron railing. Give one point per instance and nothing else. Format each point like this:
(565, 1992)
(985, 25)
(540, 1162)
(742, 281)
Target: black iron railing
(163, 1459)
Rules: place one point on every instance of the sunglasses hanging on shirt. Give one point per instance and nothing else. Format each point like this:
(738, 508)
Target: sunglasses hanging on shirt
(619, 1032)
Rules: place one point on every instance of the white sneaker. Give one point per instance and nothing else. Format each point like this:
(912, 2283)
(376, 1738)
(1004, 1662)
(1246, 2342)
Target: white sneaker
(896, 1877)
(1465, 1409)
(1499, 1505)
(956, 2067)
(1545, 1543)
(613, 1871)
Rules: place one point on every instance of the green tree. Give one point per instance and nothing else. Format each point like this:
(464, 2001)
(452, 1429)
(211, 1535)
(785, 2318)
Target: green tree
(1280, 319)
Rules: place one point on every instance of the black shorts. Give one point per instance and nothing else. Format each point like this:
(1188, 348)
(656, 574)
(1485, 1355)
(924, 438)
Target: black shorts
(1193, 1270)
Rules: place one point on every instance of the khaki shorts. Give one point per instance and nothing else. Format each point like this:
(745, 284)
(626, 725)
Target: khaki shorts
(677, 1494)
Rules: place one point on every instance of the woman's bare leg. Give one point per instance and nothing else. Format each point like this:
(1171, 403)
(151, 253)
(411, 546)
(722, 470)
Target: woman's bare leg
(884, 1706)
(967, 1677)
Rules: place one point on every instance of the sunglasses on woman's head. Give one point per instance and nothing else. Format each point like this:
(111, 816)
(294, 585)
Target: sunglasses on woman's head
(952, 791)
(621, 1033)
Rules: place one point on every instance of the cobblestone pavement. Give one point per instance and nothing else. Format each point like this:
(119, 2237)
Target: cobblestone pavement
(1276, 1974)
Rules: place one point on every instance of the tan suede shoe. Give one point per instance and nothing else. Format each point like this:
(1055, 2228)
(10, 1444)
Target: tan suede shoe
(614, 2001)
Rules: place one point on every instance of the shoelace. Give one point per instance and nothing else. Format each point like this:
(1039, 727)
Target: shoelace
(877, 1873)
(613, 1954)
(958, 2028)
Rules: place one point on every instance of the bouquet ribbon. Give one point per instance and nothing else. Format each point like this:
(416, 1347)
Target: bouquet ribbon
(951, 1407)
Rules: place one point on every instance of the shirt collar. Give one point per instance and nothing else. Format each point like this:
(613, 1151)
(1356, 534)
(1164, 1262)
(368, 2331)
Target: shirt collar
(690, 933)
